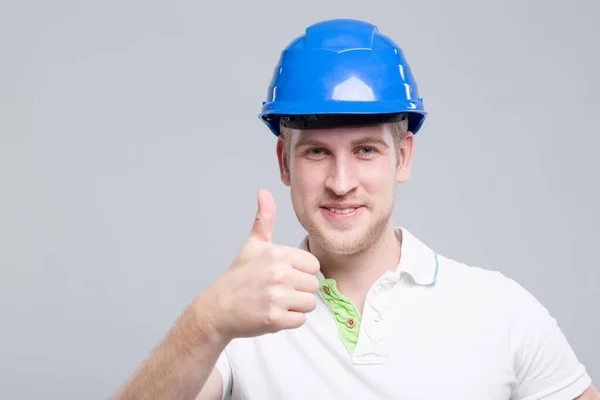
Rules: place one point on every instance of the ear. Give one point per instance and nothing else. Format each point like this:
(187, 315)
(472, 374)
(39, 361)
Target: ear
(405, 154)
(282, 158)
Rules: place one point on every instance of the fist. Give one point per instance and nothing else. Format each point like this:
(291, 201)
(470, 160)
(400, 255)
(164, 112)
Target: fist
(268, 287)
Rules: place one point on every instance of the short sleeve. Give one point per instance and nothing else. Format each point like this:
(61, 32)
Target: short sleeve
(545, 365)
(224, 369)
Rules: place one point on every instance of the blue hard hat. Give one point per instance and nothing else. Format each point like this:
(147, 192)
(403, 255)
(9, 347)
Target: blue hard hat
(342, 70)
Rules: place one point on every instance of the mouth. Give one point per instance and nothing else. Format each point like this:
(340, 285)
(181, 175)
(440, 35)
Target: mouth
(346, 210)
(341, 212)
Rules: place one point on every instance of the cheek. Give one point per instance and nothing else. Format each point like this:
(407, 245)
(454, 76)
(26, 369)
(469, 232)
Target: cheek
(378, 177)
(305, 180)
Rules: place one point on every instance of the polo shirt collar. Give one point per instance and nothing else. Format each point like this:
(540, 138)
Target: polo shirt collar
(416, 259)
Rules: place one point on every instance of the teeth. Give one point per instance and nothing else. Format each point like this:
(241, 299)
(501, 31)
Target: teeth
(342, 211)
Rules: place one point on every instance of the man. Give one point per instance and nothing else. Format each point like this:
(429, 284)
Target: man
(363, 309)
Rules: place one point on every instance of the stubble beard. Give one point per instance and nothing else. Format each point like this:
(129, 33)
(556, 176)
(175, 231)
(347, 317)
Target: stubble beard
(344, 242)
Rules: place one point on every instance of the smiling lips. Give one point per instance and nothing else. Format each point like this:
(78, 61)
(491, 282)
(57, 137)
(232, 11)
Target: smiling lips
(341, 212)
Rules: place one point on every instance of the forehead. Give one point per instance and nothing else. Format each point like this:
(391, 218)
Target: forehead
(341, 135)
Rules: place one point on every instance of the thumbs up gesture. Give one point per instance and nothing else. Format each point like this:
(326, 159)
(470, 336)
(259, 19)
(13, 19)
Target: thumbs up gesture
(268, 287)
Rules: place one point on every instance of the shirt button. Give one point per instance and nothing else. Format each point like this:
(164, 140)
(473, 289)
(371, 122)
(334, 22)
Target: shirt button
(350, 322)
(326, 290)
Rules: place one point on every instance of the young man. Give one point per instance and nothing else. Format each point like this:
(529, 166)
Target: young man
(363, 309)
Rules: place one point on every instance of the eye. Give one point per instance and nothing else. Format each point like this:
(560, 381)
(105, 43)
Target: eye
(315, 153)
(367, 150)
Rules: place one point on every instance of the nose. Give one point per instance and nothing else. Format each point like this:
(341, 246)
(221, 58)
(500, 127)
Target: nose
(341, 177)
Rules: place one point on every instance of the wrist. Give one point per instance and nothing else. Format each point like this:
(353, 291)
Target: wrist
(205, 316)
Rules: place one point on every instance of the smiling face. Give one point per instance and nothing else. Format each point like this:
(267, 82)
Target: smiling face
(343, 182)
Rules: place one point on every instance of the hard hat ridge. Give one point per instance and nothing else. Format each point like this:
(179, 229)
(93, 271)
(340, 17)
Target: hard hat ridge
(339, 68)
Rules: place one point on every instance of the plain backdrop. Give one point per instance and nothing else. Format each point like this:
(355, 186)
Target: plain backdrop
(131, 155)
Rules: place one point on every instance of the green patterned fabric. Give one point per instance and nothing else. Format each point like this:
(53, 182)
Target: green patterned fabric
(347, 317)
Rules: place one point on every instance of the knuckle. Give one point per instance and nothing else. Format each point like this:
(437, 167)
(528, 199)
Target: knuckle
(315, 284)
(301, 320)
(274, 253)
(271, 318)
(274, 297)
(277, 275)
(271, 297)
(314, 265)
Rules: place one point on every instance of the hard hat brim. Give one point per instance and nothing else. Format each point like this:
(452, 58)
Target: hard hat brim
(272, 111)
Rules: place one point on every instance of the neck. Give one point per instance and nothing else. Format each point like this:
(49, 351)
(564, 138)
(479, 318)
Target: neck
(356, 273)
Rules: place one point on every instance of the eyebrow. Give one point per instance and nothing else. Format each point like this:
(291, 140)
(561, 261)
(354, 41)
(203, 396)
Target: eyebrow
(361, 141)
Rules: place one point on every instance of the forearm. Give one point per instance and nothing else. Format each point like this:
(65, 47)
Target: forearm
(179, 367)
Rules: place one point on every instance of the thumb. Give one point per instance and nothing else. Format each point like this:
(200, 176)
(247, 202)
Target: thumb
(265, 217)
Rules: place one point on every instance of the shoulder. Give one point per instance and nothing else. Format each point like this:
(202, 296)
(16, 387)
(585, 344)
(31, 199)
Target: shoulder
(493, 284)
(542, 359)
(494, 295)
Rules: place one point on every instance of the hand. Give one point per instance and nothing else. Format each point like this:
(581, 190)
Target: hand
(268, 287)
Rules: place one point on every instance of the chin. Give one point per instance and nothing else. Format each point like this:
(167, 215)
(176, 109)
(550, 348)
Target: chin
(344, 247)
(344, 237)
(347, 241)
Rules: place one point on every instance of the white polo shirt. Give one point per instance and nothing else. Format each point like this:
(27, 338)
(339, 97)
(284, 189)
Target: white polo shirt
(432, 329)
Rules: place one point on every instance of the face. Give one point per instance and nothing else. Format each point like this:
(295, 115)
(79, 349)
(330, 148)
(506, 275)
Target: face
(343, 183)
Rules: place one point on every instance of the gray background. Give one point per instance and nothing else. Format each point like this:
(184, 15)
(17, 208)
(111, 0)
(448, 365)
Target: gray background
(131, 156)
